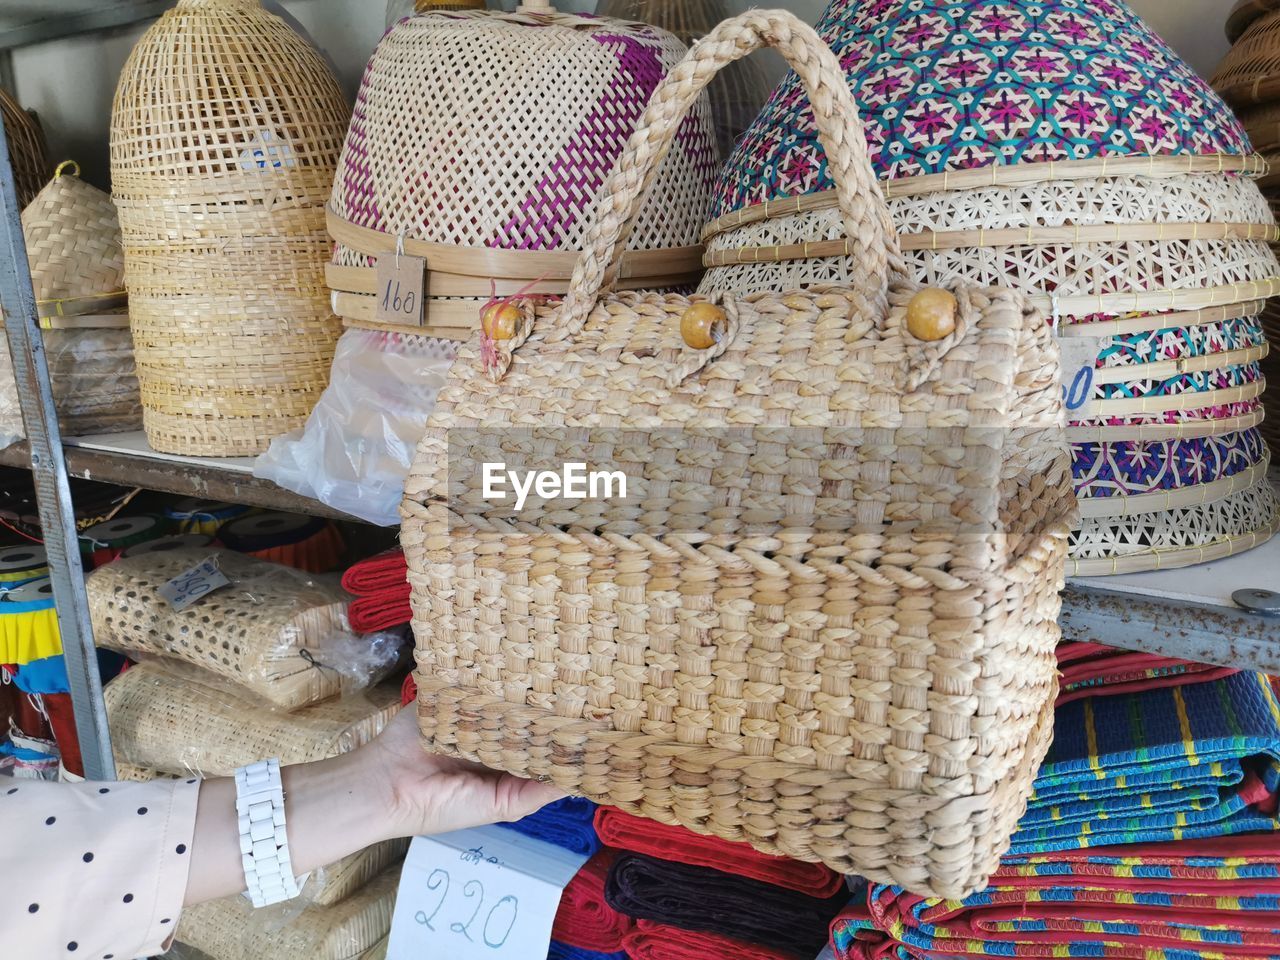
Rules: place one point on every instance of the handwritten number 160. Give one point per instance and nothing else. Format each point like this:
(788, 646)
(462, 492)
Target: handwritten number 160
(393, 300)
(474, 889)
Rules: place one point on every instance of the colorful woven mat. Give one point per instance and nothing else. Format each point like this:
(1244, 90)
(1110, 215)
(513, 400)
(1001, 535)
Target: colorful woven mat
(566, 823)
(1197, 760)
(640, 835)
(708, 901)
(1191, 900)
(1093, 669)
(584, 921)
(953, 84)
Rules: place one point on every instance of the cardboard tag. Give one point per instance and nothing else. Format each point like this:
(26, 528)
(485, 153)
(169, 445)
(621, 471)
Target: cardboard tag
(190, 585)
(483, 893)
(401, 281)
(1079, 360)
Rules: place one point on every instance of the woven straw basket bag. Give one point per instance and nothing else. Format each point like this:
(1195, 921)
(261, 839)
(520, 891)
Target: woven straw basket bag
(823, 621)
(1063, 150)
(225, 133)
(77, 270)
(27, 152)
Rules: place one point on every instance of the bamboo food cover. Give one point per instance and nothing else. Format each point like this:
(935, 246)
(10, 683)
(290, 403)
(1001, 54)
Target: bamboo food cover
(27, 151)
(1064, 150)
(821, 618)
(225, 133)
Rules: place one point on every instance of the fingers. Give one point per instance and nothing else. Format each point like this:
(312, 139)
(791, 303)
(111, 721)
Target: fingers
(527, 796)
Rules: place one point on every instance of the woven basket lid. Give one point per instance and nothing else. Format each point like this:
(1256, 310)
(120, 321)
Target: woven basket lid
(73, 240)
(26, 148)
(1245, 13)
(955, 84)
(498, 130)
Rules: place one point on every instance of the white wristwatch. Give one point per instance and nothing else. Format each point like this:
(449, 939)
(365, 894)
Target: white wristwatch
(264, 847)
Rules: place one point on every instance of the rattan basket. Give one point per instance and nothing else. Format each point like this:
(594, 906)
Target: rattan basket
(1165, 259)
(1250, 72)
(738, 92)
(1245, 13)
(230, 929)
(729, 644)
(460, 180)
(27, 151)
(163, 719)
(77, 271)
(225, 133)
(271, 630)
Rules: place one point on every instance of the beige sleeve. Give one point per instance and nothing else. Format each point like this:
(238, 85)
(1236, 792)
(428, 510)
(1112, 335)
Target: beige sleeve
(94, 871)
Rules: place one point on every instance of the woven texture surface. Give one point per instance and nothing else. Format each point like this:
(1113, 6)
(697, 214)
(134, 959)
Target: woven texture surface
(752, 681)
(168, 721)
(1250, 72)
(225, 133)
(269, 631)
(230, 929)
(27, 150)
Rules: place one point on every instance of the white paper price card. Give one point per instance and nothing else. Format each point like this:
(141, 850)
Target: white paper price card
(190, 585)
(486, 893)
(1079, 360)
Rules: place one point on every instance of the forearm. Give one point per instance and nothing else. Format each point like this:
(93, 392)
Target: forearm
(333, 808)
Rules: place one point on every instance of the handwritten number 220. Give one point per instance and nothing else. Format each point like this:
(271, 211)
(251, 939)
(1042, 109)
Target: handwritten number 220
(474, 889)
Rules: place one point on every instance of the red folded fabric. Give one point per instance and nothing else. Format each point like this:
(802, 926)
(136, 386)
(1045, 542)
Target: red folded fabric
(382, 572)
(380, 611)
(584, 920)
(1093, 669)
(408, 691)
(62, 719)
(655, 941)
(618, 829)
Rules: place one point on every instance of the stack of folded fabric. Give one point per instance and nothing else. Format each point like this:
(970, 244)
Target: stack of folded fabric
(567, 823)
(381, 590)
(1094, 669)
(1153, 831)
(695, 897)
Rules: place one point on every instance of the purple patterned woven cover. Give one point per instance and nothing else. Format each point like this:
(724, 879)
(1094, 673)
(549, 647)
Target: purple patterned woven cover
(954, 84)
(498, 156)
(1178, 343)
(1222, 378)
(1132, 468)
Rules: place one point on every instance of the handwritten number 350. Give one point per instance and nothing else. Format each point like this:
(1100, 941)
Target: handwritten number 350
(474, 889)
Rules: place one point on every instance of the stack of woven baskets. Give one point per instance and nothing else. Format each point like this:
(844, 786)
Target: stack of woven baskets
(1249, 80)
(1062, 149)
(494, 182)
(27, 152)
(225, 133)
(248, 671)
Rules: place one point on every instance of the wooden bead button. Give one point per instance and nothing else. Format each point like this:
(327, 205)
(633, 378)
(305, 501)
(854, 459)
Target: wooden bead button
(700, 324)
(931, 314)
(499, 320)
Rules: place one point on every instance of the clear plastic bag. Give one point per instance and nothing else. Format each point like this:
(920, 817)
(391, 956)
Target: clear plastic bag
(355, 450)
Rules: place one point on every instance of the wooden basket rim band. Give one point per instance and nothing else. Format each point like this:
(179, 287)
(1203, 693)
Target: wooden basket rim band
(1144, 432)
(982, 237)
(1138, 406)
(1163, 369)
(489, 263)
(1019, 174)
(1160, 321)
(1122, 505)
(1156, 558)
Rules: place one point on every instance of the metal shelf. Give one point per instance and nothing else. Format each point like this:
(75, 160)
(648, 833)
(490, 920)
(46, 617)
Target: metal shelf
(126, 459)
(35, 21)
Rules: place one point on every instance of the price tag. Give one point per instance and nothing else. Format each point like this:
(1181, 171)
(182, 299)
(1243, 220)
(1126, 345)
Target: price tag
(401, 280)
(190, 585)
(486, 893)
(1079, 360)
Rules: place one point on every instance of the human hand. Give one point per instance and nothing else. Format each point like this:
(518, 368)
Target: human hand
(434, 794)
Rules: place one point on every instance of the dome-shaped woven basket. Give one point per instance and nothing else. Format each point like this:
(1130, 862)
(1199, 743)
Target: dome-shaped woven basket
(1064, 150)
(481, 141)
(225, 134)
(738, 92)
(77, 271)
(1245, 13)
(1250, 72)
(27, 151)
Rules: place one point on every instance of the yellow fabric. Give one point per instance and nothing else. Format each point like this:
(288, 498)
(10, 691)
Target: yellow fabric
(22, 576)
(29, 636)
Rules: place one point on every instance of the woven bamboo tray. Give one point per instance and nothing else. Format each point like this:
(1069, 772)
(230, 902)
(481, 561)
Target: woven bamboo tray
(223, 224)
(27, 151)
(230, 929)
(517, 206)
(1250, 72)
(269, 631)
(163, 719)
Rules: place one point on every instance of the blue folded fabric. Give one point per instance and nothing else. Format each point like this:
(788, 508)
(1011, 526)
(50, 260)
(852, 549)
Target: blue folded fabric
(567, 823)
(562, 951)
(49, 674)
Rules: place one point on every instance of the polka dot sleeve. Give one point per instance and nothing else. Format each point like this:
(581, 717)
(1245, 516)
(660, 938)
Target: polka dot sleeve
(94, 871)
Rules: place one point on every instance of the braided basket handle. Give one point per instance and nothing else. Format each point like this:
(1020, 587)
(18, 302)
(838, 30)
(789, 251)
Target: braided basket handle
(875, 251)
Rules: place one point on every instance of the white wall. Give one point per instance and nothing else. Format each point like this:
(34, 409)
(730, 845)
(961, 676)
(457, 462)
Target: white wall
(70, 82)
